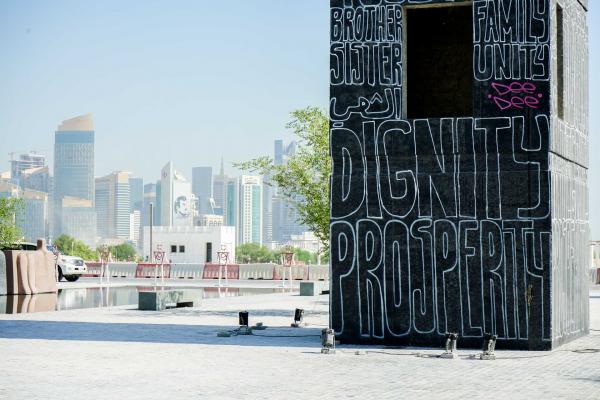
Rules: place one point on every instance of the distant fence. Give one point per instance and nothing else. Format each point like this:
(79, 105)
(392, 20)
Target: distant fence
(153, 271)
(211, 271)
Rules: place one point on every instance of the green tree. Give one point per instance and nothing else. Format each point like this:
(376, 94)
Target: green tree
(304, 180)
(300, 255)
(253, 253)
(123, 252)
(10, 234)
(305, 256)
(72, 247)
(325, 257)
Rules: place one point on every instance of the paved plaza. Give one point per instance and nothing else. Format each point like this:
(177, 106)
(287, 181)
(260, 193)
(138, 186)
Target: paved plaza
(120, 352)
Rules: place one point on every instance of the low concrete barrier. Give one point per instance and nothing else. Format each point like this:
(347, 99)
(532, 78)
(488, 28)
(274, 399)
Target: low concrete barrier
(152, 270)
(307, 289)
(211, 271)
(115, 270)
(187, 271)
(257, 271)
(159, 300)
(122, 270)
(318, 272)
(299, 272)
(93, 269)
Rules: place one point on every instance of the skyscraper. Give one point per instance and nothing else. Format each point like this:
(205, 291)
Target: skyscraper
(202, 187)
(231, 202)
(112, 206)
(282, 152)
(78, 219)
(249, 226)
(136, 193)
(149, 198)
(36, 178)
(177, 202)
(158, 204)
(285, 220)
(24, 162)
(284, 216)
(219, 190)
(31, 217)
(74, 178)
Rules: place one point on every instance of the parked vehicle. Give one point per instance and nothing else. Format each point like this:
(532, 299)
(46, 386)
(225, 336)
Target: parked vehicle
(22, 246)
(70, 267)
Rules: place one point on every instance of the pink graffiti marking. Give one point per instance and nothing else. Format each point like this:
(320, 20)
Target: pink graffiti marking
(517, 95)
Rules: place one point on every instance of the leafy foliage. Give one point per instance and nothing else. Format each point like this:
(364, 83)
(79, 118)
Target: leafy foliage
(123, 252)
(304, 180)
(10, 234)
(305, 256)
(72, 247)
(255, 253)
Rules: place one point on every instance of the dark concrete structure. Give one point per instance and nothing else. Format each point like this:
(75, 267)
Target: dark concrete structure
(459, 186)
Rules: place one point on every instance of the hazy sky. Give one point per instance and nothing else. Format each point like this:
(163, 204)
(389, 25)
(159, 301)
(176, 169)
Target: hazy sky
(182, 80)
(189, 81)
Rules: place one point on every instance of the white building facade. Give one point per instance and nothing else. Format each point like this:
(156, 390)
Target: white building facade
(191, 244)
(112, 195)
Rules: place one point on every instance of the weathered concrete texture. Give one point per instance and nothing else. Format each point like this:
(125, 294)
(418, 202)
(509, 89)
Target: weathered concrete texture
(471, 222)
(311, 288)
(159, 300)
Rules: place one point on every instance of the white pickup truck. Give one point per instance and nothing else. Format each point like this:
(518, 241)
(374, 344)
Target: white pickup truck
(70, 267)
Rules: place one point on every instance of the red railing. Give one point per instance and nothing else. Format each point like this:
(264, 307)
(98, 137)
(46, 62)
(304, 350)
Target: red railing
(147, 270)
(211, 271)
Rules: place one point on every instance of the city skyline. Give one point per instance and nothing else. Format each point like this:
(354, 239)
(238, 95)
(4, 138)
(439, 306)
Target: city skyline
(148, 84)
(200, 198)
(149, 87)
(118, 209)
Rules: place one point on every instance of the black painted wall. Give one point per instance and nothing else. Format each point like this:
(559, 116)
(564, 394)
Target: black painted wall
(444, 223)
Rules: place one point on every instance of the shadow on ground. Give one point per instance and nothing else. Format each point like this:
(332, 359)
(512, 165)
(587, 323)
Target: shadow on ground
(155, 333)
(255, 314)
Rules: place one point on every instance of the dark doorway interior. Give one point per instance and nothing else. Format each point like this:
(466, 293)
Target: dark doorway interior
(439, 60)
